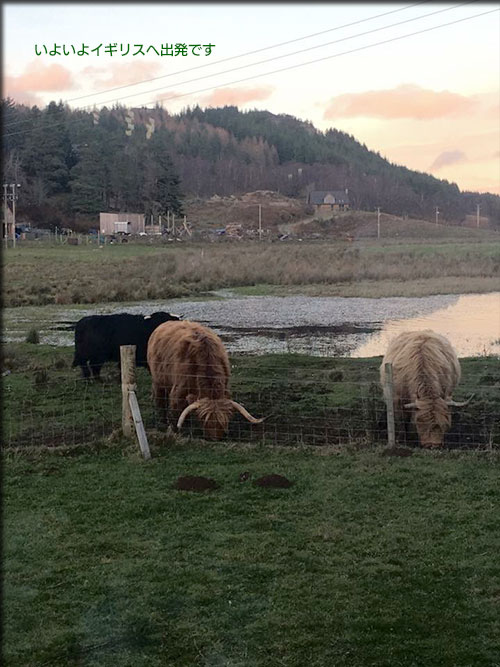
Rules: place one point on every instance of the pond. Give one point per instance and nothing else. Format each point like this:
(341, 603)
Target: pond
(322, 326)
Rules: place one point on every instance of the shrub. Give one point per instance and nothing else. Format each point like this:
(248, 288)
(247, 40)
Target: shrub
(33, 336)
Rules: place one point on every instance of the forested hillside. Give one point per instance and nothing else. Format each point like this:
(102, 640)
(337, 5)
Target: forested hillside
(72, 164)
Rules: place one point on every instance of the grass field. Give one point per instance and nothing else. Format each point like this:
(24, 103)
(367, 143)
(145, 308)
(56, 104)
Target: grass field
(134, 272)
(366, 560)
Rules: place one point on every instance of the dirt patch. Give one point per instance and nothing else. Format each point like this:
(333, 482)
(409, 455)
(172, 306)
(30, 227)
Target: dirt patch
(397, 451)
(193, 483)
(274, 481)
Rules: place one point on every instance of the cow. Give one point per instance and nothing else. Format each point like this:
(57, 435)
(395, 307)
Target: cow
(425, 372)
(190, 371)
(98, 339)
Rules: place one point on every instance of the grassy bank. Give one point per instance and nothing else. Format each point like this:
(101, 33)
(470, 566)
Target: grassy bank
(306, 400)
(365, 561)
(88, 274)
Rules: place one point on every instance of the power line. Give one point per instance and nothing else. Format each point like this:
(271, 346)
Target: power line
(247, 53)
(285, 55)
(110, 101)
(310, 62)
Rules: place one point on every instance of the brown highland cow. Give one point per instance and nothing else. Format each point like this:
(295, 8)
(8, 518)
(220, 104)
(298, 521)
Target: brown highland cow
(425, 372)
(190, 370)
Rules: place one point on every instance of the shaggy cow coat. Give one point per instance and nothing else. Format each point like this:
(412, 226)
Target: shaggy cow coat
(425, 373)
(190, 370)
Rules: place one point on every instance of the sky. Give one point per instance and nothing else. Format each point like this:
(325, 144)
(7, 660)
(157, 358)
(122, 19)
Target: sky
(423, 96)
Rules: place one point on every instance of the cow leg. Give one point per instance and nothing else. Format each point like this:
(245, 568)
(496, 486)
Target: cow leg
(96, 371)
(85, 370)
(177, 405)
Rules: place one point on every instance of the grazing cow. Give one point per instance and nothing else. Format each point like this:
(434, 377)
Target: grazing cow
(425, 372)
(98, 338)
(190, 370)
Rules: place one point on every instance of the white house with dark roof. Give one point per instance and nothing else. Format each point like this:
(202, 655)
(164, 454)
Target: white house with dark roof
(325, 202)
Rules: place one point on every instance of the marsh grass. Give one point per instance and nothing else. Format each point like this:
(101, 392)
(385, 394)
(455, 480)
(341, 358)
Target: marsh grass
(365, 561)
(74, 274)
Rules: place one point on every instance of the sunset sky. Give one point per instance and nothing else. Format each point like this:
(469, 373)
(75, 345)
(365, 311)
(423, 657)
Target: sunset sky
(430, 101)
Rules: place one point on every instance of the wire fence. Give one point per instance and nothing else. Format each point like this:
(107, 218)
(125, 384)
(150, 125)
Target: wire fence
(53, 406)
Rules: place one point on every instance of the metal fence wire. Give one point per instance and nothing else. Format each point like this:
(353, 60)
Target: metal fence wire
(53, 406)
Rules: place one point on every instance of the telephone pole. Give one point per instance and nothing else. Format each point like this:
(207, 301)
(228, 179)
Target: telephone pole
(478, 207)
(260, 222)
(378, 222)
(437, 214)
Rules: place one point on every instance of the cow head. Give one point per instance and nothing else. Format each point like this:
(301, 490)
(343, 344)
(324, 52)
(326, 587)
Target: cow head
(214, 415)
(159, 317)
(432, 418)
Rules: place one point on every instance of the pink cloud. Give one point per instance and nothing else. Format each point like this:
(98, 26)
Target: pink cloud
(37, 78)
(122, 74)
(405, 101)
(237, 96)
(447, 158)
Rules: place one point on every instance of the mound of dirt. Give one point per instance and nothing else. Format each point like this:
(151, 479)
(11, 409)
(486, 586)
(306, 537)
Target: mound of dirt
(193, 483)
(218, 212)
(275, 481)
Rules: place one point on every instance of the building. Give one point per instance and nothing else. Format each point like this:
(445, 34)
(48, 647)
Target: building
(326, 202)
(129, 223)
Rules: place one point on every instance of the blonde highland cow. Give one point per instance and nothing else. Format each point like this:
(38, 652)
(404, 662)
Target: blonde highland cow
(425, 372)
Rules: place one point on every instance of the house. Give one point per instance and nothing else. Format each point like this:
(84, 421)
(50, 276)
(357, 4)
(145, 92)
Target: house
(325, 202)
(130, 223)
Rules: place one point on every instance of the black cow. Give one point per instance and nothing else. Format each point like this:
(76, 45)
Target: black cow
(98, 338)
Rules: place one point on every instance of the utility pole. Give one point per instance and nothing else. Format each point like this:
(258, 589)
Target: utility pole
(378, 222)
(5, 212)
(437, 214)
(260, 222)
(478, 206)
(10, 196)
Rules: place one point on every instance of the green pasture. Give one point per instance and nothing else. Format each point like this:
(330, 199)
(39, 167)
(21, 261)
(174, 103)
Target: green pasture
(367, 560)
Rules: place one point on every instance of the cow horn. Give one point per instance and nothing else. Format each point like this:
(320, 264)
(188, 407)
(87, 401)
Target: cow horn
(246, 414)
(410, 405)
(185, 413)
(460, 405)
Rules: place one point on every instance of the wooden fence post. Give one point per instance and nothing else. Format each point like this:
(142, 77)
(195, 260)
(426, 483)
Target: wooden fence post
(127, 362)
(131, 414)
(389, 401)
(139, 426)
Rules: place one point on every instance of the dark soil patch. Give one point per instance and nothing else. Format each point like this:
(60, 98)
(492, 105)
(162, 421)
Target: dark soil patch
(275, 481)
(191, 483)
(397, 451)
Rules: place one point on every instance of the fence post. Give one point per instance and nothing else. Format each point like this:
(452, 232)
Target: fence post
(127, 362)
(389, 401)
(139, 426)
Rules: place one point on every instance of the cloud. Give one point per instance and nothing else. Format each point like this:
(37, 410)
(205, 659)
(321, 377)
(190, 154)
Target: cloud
(446, 158)
(235, 96)
(122, 74)
(37, 78)
(405, 101)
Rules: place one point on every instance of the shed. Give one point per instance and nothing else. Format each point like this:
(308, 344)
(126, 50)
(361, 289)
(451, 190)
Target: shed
(131, 223)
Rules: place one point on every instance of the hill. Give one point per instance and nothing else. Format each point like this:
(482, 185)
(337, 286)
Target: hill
(73, 164)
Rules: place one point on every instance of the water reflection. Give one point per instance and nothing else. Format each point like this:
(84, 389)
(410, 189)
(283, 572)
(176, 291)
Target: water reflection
(472, 325)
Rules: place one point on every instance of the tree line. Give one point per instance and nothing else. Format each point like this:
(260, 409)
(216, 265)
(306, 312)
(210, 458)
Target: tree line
(73, 164)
